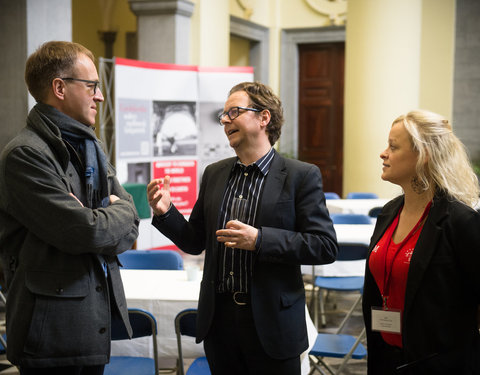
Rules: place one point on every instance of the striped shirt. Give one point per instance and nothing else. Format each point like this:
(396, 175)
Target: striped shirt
(246, 184)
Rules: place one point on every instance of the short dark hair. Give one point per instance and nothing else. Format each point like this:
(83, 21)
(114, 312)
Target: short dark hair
(51, 60)
(263, 97)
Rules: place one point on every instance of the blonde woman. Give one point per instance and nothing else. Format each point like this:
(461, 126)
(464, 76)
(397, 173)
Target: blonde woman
(422, 279)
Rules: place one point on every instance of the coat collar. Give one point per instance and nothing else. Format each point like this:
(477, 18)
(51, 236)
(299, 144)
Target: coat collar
(425, 248)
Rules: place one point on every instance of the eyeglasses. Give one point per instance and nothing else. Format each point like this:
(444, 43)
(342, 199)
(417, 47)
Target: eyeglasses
(91, 84)
(234, 112)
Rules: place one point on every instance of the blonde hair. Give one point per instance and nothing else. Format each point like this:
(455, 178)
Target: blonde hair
(442, 163)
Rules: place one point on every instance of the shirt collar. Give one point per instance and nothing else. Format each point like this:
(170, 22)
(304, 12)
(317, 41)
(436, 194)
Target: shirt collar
(263, 164)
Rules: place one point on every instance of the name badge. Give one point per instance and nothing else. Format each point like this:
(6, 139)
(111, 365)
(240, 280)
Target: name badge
(386, 320)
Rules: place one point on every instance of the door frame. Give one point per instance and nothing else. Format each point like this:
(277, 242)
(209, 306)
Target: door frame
(290, 39)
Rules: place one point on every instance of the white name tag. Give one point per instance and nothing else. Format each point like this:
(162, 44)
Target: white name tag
(386, 320)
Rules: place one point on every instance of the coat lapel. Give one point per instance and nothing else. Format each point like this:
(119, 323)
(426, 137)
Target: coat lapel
(272, 190)
(424, 250)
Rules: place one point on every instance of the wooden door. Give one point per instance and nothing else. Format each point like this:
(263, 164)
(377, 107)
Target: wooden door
(321, 81)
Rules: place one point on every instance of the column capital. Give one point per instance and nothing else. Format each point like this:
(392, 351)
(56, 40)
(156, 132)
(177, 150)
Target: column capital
(149, 7)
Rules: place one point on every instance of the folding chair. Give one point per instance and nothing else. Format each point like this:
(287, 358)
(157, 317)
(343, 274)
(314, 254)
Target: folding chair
(151, 260)
(375, 211)
(361, 195)
(185, 325)
(350, 219)
(336, 345)
(331, 195)
(347, 252)
(143, 324)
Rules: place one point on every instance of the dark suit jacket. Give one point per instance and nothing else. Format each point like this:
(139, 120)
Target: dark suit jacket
(439, 324)
(296, 229)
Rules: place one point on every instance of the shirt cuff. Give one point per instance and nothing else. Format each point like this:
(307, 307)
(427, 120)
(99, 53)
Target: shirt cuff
(258, 242)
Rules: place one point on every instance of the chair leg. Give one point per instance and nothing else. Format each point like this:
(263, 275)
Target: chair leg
(321, 303)
(349, 354)
(349, 314)
(2, 340)
(315, 362)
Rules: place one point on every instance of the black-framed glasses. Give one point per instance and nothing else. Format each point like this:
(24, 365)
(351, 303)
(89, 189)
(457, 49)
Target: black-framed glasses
(91, 84)
(234, 112)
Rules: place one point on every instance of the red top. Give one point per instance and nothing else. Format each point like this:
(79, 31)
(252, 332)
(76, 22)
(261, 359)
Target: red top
(389, 263)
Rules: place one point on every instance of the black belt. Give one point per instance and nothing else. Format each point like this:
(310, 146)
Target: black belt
(239, 298)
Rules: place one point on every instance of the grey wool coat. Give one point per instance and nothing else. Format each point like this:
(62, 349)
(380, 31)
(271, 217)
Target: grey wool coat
(53, 251)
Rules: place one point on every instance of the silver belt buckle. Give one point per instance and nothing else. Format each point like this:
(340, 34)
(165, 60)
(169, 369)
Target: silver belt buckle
(235, 299)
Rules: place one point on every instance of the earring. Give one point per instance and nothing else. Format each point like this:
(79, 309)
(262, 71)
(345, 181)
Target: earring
(417, 186)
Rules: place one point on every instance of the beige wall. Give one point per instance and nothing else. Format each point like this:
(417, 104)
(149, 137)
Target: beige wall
(399, 56)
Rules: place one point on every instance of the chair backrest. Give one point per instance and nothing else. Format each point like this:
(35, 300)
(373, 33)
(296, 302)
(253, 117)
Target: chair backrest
(375, 211)
(151, 260)
(185, 325)
(331, 195)
(361, 195)
(352, 251)
(350, 219)
(143, 324)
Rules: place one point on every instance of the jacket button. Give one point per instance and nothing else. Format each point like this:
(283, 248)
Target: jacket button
(102, 330)
(99, 288)
(59, 290)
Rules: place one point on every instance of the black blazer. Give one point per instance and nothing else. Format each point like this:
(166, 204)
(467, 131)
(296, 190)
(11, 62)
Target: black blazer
(439, 324)
(296, 229)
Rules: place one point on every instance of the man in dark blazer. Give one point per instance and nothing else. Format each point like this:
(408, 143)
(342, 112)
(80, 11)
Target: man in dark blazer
(251, 312)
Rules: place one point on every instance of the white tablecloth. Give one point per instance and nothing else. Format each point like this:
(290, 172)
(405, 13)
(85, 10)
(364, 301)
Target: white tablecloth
(354, 206)
(165, 294)
(346, 233)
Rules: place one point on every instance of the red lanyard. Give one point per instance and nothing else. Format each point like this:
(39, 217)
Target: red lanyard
(389, 235)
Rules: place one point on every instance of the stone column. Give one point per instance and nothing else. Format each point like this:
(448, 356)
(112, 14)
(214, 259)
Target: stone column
(24, 25)
(108, 39)
(163, 30)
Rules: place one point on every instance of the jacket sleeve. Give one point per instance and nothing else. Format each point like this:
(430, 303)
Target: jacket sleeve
(463, 231)
(37, 194)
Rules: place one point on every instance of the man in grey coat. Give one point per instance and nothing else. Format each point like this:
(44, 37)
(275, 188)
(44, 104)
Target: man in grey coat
(63, 219)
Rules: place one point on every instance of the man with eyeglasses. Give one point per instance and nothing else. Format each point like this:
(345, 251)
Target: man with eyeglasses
(251, 311)
(63, 217)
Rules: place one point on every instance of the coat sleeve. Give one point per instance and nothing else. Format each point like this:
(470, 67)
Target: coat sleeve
(38, 196)
(463, 232)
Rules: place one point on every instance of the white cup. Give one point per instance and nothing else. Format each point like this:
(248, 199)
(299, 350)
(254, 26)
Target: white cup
(192, 273)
